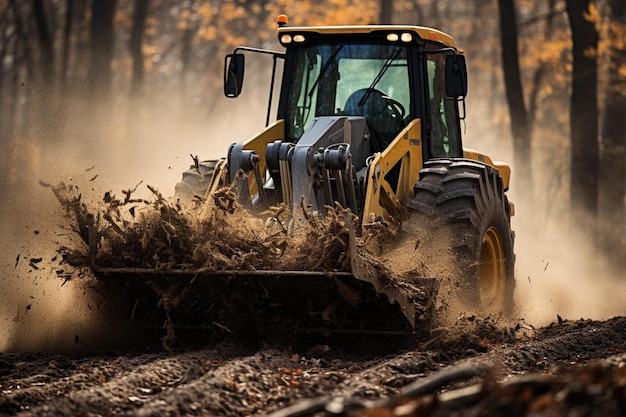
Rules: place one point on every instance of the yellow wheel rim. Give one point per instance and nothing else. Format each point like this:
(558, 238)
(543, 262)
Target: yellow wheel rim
(491, 270)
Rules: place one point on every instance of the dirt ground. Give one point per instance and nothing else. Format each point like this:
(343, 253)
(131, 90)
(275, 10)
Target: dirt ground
(570, 368)
(470, 366)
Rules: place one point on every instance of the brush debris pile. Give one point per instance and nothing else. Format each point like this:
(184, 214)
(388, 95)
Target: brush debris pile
(161, 234)
(218, 266)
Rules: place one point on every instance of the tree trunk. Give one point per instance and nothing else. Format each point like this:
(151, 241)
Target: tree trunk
(386, 12)
(419, 12)
(185, 59)
(67, 42)
(613, 156)
(435, 16)
(584, 118)
(46, 42)
(47, 118)
(99, 112)
(102, 38)
(6, 115)
(20, 51)
(136, 42)
(520, 127)
(540, 71)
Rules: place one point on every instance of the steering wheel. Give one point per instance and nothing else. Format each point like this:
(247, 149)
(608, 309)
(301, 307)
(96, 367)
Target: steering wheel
(384, 115)
(395, 106)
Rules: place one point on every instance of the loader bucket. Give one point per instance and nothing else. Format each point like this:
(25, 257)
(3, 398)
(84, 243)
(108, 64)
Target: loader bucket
(365, 300)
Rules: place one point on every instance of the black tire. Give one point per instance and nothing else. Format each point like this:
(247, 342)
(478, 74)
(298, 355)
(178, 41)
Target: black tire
(464, 202)
(195, 182)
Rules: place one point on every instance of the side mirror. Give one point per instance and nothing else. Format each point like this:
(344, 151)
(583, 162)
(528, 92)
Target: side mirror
(456, 77)
(234, 65)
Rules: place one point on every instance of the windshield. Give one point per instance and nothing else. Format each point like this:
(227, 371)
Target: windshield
(346, 80)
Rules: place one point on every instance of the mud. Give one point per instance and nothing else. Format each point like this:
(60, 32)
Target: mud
(570, 368)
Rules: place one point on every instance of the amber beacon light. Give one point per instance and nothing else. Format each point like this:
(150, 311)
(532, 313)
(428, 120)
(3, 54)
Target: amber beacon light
(282, 20)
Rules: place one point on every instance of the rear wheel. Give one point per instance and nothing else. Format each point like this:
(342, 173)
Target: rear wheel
(195, 181)
(462, 209)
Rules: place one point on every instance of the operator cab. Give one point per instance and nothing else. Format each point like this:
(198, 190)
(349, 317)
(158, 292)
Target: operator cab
(387, 75)
(347, 93)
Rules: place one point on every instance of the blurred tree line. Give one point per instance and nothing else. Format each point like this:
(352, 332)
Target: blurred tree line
(548, 74)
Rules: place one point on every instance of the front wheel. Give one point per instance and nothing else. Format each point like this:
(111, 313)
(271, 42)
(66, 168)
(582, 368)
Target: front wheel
(464, 208)
(195, 182)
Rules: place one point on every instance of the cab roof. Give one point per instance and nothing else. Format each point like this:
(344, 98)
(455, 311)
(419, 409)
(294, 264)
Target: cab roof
(424, 33)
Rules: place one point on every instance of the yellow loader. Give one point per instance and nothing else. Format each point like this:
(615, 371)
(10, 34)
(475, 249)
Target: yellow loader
(368, 120)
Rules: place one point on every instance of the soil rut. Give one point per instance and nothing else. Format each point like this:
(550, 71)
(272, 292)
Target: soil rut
(230, 380)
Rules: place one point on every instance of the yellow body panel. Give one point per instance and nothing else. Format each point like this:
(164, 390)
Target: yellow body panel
(381, 199)
(258, 143)
(275, 131)
(424, 33)
(503, 168)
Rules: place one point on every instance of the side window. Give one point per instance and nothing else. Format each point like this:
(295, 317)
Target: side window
(445, 137)
(302, 105)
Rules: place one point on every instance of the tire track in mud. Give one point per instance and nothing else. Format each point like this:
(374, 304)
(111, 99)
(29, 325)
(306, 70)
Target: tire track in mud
(50, 378)
(553, 349)
(272, 379)
(105, 385)
(230, 381)
(239, 387)
(201, 382)
(263, 383)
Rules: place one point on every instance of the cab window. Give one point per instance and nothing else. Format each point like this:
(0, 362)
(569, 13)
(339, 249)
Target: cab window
(445, 137)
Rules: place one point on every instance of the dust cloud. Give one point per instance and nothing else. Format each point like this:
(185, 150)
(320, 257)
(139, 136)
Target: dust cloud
(148, 144)
(558, 274)
(39, 311)
(558, 270)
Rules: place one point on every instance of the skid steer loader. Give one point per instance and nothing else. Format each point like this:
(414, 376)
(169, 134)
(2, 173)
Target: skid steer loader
(368, 120)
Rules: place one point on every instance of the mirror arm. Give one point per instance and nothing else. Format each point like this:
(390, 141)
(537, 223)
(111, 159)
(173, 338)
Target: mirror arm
(464, 113)
(275, 56)
(269, 102)
(259, 51)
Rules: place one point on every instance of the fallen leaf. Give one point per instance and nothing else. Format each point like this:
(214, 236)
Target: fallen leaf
(485, 344)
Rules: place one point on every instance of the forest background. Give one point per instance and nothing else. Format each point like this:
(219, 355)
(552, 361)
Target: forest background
(116, 92)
